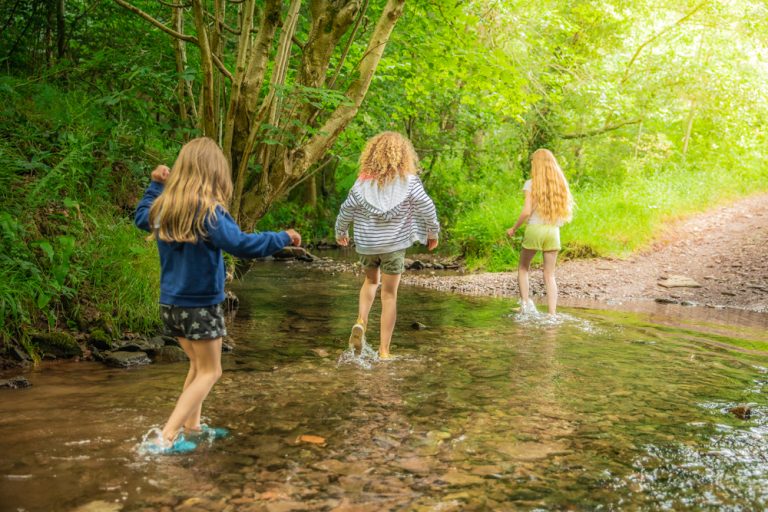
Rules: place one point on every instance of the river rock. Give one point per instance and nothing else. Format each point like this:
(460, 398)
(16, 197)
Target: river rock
(676, 281)
(418, 326)
(100, 506)
(293, 253)
(100, 339)
(170, 354)
(17, 382)
(743, 412)
(18, 354)
(530, 451)
(121, 359)
(57, 345)
(416, 265)
(320, 352)
(97, 355)
(460, 479)
(151, 345)
(417, 465)
(170, 341)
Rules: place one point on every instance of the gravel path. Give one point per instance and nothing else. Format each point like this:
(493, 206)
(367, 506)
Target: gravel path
(724, 250)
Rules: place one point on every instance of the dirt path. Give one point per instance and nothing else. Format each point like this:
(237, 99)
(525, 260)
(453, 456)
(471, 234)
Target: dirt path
(725, 250)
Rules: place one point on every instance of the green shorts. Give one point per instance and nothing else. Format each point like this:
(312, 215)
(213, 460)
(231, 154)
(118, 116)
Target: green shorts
(541, 237)
(391, 263)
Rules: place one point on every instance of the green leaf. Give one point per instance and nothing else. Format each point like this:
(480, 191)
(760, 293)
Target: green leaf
(46, 247)
(43, 299)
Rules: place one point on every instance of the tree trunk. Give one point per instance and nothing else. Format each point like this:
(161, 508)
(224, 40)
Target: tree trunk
(61, 39)
(273, 141)
(689, 126)
(291, 164)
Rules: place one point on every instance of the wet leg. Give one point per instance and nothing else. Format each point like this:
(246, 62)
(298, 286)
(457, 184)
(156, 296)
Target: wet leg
(523, 269)
(389, 286)
(550, 261)
(207, 356)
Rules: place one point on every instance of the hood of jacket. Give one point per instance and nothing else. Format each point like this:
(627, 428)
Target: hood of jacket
(382, 201)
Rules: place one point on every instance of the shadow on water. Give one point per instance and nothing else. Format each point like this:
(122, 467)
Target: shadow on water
(481, 410)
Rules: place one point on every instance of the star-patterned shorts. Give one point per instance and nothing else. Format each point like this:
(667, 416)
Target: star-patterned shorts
(193, 323)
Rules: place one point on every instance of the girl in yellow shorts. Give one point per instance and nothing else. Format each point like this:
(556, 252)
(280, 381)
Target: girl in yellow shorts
(548, 205)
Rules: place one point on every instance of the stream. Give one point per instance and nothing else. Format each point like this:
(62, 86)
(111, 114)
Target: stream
(482, 410)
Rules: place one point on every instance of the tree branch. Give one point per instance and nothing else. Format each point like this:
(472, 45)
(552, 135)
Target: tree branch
(170, 31)
(175, 6)
(344, 54)
(356, 92)
(658, 35)
(599, 131)
(156, 22)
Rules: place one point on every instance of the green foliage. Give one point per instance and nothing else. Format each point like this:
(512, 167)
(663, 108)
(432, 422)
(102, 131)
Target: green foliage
(653, 113)
(653, 110)
(68, 188)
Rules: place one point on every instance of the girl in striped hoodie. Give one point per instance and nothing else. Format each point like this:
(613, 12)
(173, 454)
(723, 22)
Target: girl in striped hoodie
(390, 211)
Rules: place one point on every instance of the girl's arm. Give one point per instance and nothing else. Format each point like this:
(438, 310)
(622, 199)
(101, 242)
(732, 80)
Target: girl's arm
(225, 234)
(344, 219)
(527, 210)
(427, 212)
(141, 218)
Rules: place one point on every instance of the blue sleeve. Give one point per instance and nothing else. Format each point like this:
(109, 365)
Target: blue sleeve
(225, 234)
(141, 218)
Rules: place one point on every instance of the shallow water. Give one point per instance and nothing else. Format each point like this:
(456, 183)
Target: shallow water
(482, 410)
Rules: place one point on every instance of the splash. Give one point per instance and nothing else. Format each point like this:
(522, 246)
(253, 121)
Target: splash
(150, 440)
(365, 360)
(529, 315)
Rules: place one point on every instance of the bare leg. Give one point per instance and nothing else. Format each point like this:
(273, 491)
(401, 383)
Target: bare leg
(524, 267)
(193, 422)
(368, 295)
(207, 356)
(389, 285)
(550, 260)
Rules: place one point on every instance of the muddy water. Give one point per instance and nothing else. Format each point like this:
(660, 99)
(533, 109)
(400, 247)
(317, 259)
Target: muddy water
(482, 410)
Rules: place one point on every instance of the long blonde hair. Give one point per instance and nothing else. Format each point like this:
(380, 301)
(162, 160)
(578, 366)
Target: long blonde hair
(549, 189)
(199, 182)
(387, 156)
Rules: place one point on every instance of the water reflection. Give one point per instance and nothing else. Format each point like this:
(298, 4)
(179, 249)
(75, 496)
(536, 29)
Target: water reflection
(480, 411)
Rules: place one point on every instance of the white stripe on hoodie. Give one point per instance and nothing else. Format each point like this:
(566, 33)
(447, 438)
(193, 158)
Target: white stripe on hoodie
(389, 218)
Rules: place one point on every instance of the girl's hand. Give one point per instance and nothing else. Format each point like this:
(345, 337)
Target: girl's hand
(295, 237)
(343, 241)
(161, 173)
(431, 244)
(511, 232)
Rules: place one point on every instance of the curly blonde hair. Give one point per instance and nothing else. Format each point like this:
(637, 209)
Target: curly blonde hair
(387, 156)
(199, 182)
(549, 189)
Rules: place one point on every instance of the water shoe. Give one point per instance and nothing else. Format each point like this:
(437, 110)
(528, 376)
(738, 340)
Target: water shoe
(207, 432)
(180, 446)
(356, 337)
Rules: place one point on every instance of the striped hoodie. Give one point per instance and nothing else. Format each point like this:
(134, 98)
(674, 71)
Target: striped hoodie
(389, 218)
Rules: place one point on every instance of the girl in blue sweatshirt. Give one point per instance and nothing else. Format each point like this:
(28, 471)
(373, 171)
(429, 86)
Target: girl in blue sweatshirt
(185, 209)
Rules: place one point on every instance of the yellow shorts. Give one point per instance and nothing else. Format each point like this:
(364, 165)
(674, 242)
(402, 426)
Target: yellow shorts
(541, 237)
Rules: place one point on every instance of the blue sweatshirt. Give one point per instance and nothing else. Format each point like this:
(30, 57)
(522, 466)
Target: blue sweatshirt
(192, 274)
